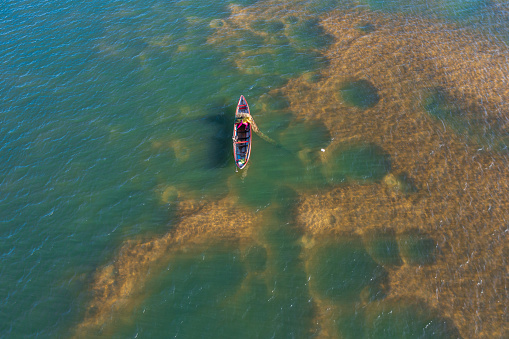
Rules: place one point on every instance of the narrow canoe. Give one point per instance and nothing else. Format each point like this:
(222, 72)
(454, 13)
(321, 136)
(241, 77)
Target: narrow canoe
(242, 134)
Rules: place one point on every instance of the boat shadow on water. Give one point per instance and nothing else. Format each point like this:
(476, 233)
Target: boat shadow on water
(219, 143)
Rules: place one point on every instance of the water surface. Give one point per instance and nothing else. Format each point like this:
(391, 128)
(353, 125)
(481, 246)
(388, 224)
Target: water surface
(115, 116)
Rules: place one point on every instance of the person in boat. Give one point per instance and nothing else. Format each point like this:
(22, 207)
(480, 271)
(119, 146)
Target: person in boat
(245, 119)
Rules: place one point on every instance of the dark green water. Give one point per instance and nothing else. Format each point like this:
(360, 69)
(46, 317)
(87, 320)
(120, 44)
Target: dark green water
(106, 103)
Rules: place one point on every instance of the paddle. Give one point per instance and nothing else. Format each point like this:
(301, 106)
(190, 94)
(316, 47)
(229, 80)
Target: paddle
(248, 118)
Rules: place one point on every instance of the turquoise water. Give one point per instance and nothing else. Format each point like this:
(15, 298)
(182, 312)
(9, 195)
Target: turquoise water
(103, 104)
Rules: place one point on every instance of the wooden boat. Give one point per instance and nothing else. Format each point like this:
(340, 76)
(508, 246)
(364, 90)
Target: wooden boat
(242, 134)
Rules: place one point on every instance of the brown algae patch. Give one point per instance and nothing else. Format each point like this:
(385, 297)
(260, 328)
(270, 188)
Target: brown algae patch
(271, 40)
(117, 286)
(445, 194)
(430, 225)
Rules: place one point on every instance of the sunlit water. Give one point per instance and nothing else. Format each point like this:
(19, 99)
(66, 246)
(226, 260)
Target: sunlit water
(105, 105)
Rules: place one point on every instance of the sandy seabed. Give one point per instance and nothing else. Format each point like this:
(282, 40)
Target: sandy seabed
(118, 286)
(461, 199)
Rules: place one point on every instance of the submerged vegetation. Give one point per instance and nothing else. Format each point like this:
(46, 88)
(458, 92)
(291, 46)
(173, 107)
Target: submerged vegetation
(343, 222)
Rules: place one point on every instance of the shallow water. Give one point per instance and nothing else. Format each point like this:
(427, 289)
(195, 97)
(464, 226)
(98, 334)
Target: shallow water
(115, 116)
